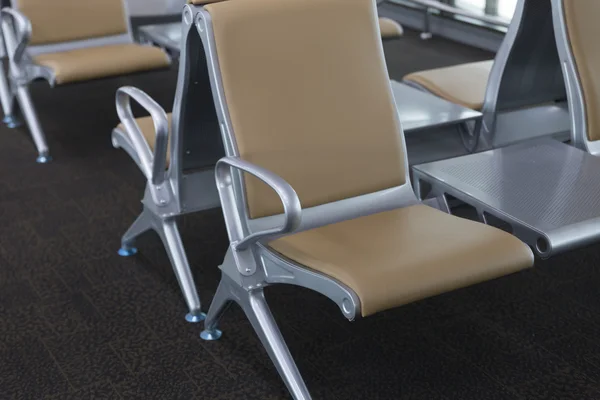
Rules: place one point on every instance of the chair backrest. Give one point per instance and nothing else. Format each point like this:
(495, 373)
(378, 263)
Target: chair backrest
(58, 21)
(578, 27)
(197, 142)
(308, 99)
(527, 70)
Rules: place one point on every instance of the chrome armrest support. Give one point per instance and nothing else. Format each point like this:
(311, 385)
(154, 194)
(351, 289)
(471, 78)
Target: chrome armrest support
(291, 203)
(16, 35)
(152, 165)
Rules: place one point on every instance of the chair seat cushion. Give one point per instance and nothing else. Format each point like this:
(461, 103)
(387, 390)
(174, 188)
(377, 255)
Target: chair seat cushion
(401, 256)
(147, 127)
(390, 29)
(463, 84)
(102, 61)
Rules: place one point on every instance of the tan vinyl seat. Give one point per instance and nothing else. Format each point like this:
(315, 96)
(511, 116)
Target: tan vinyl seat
(67, 21)
(397, 257)
(102, 62)
(390, 29)
(463, 84)
(147, 127)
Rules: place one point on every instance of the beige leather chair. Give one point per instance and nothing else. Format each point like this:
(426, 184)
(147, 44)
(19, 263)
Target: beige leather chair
(67, 41)
(463, 84)
(315, 192)
(139, 138)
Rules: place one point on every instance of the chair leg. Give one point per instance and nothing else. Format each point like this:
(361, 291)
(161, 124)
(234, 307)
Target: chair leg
(482, 217)
(142, 224)
(257, 310)
(7, 100)
(169, 234)
(443, 203)
(469, 135)
(33, 123)
(219, 305)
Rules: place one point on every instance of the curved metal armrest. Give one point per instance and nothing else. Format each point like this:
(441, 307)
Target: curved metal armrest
(291, 203)
(153, 165)
(22, 29)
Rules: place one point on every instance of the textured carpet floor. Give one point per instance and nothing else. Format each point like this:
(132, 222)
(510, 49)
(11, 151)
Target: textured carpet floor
(79, 322)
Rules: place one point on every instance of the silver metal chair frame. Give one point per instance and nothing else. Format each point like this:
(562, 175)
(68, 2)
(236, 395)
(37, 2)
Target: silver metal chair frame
(578, 112)
(16, 30)
(187, 185)
(249, 265)
(6, 96)
(16, 33)
(504, 123)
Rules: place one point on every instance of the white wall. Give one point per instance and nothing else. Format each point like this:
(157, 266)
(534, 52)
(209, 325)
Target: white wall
(154, 7)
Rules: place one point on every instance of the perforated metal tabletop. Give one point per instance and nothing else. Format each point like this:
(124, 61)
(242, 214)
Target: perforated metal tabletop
(544, 188)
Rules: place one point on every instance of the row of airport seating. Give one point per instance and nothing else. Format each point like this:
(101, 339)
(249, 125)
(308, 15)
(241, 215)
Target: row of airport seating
(325, 202)
(314, 192)
(310, 159)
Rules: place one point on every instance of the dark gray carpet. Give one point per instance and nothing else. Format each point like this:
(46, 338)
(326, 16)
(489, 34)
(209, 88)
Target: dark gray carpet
(79, 322)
